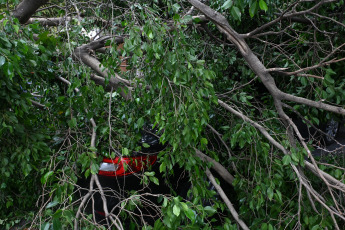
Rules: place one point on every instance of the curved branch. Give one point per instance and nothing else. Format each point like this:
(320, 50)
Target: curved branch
(83, 54)
(253, 61)
(216, 166)
(26, 9)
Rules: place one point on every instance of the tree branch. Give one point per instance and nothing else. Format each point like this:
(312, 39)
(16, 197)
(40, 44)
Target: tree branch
(27, 8)
(49, 21)
(225, 145)
(223, 172)
(291, 15)
(83, 54)
(38, 105)
(226, 200)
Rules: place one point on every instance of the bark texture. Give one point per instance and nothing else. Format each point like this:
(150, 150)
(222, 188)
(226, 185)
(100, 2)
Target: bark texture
(27, 8)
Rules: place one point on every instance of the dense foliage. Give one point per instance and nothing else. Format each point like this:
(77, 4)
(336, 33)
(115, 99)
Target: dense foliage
(179, 68)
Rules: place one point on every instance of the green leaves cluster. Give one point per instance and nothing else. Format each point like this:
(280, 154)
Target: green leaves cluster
(23, 135)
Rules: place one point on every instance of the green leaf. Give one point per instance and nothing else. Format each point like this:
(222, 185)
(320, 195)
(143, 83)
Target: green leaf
(264, 226)
(236, 13)
(4, 22)
(9, 71)
(316, 120)
(16, 28)
(190, 214)
(270, 193)
(204, 141)
(200, 62)
(52, 204)
(338, 173)
(176, 7)
(150, 35)
(286, 159)
(210, 210)
(45, 226)
(154, 180)
(149, 173)
(305, 219)
(6, 42)
(140, 122)
(165, 202)
(331, 91)
(316, 227)
(2, 60)
(9, 204)
(46, 176)
(145, 145)
(279, 194)
(87, 173)
(72, 123)
(227, 4)
(94, 169)
(329, 79)
(294, 156)
(176, 210)
(33, 63)
(253, 8)
(162, 167)
(263, 5)
(125, 152)
(184, 206)
(57, 224)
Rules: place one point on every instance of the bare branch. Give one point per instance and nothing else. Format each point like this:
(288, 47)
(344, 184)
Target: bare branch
(83, 202)
(38, 105)
(226, 200)
(216, 166)
(49, 21)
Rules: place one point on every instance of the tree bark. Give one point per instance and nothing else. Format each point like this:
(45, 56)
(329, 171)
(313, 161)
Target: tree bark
(49, 21)
(26, 9)
(220, 169)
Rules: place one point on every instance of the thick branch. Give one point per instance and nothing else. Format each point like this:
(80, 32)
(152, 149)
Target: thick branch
(83, 53)
(27, 8)
(316, 104)
(101, 81)
(253, 61)
(49, 21)
(216, 166)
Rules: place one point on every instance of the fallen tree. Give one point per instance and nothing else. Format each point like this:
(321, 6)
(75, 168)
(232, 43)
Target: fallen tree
(224, 83)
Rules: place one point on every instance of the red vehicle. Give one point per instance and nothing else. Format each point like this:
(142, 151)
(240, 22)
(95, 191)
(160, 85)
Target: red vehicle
(122, 181)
